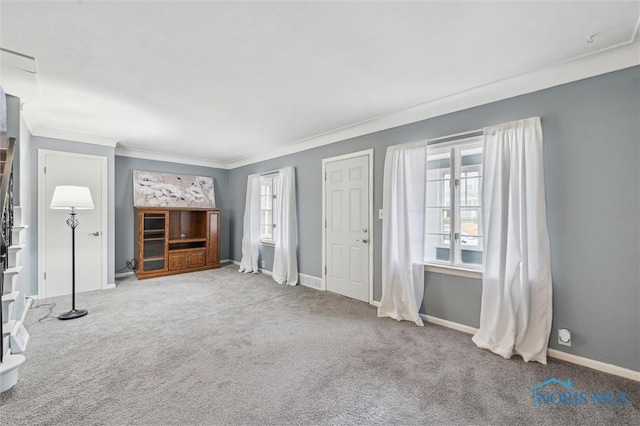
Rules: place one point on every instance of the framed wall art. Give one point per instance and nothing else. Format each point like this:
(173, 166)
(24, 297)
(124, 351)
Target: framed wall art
(153, 189)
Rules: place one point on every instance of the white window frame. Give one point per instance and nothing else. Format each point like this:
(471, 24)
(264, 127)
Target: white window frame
(454, 265)
(271, 180)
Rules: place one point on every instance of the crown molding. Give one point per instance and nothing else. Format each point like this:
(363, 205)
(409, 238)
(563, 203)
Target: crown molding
(72, 135)
(616, 58)
(157, 156)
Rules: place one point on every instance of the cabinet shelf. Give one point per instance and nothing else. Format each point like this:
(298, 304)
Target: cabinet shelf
(153, 259)
(187, 240)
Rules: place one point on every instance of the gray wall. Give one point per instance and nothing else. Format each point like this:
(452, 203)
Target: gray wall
(38, 143)
(591, 142)
(124, 210)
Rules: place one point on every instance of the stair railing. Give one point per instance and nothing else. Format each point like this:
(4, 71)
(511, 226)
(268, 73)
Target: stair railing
(6, 204)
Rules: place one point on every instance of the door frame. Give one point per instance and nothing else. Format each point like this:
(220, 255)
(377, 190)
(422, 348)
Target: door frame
(42, 211)
(325, 161)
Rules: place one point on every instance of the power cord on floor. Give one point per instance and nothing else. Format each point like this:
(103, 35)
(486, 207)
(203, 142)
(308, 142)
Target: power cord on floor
(34, 306)
(51, 306)
(131, 264)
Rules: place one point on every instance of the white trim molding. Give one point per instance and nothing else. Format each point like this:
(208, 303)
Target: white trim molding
(614, 58)
(27, 305)
(265, 271)
(595, 365)
(124, 274)
(552, 353)
(609, 59)
(449, 324)
(169, 158)
(73, 135)
(450, 270)
(310, 281)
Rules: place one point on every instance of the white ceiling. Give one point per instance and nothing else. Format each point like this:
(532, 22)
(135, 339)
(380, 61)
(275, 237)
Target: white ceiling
(225, 81)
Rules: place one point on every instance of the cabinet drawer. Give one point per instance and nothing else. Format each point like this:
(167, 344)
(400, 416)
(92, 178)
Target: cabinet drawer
(186, 259)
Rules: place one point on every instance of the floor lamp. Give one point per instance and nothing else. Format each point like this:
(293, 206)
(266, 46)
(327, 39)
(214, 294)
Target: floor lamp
(72, 198)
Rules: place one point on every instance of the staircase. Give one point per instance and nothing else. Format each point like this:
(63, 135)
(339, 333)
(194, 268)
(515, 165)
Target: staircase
(14, 335)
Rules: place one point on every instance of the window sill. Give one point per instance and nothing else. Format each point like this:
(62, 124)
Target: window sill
(267, 243)
(450, 270)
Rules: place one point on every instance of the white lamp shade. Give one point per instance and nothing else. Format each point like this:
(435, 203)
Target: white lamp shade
(72, 197)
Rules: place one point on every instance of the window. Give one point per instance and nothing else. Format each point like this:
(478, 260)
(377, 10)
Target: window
(454, 205)
(267, 203)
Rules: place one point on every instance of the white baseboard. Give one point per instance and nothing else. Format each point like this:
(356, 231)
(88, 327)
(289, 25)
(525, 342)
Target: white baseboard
(596, 365)
(375, 303)
(552, 353)
(125, 274)
(27, 306)
(310, 281)
(262, 271)
(449, 324)
(110, 286)
(303, 279)
(226, 261)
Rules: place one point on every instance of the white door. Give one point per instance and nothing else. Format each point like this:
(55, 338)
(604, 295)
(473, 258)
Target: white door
(80, 170)
(347, 233)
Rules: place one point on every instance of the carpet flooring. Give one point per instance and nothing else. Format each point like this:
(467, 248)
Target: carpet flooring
(220, 347)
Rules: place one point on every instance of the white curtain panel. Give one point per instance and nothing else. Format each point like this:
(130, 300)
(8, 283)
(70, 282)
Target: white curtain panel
(516, 312)
(251, 226)
(285, 262)
(403, 232)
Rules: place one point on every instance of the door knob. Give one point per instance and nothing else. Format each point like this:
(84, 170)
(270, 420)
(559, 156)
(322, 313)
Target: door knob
(364, 240)
(95, 234)
(364, 230)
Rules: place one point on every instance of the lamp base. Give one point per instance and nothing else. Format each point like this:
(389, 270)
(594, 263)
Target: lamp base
(74, 313)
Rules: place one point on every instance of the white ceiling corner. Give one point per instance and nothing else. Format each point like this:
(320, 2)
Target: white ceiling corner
(19, 74)
(224, 84)
(71, 135)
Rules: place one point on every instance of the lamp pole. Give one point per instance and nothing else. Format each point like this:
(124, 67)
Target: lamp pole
(73, 222)
(72, 198)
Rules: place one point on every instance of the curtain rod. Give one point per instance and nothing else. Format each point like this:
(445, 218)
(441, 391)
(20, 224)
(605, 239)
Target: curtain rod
(476, 132)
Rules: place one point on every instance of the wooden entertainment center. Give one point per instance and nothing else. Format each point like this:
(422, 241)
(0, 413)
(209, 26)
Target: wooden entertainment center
(177, 240)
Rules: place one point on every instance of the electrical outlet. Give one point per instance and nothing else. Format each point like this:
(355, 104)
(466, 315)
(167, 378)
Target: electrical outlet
(564, 336)
(262, 264)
